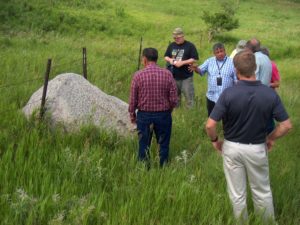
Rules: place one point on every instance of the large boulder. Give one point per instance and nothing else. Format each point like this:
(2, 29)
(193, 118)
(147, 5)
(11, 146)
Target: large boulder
(72, 101)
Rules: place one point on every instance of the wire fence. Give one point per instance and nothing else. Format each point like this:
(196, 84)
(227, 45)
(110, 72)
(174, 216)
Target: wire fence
(20, 83)
(15, 109)
(50, 72)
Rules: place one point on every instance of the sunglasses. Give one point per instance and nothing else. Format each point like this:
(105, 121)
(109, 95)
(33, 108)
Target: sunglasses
(178, 37)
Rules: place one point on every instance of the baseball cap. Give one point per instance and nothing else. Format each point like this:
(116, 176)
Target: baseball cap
(177, 31)
(241, 45)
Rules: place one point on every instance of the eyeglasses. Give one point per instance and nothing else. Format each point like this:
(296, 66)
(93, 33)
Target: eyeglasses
(177, 37)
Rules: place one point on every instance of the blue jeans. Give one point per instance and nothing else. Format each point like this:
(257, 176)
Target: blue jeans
(162, 126)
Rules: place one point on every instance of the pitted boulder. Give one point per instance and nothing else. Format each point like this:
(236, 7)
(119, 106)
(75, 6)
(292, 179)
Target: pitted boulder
(72, 101)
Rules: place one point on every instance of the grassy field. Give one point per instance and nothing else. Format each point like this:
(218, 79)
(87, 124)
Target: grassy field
(92, 177)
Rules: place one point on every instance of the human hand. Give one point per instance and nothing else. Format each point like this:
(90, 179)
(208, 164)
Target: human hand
(193, 68)
(178, 63)
(133, 119)
(270, 143)
(218, 146)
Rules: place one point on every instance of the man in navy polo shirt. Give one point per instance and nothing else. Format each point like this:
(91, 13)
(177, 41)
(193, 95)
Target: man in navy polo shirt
(245, 110)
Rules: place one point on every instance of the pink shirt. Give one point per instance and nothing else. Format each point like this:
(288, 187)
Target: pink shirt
(275, 73)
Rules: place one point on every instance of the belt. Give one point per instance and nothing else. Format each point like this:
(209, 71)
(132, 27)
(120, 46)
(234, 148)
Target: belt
(154, 111)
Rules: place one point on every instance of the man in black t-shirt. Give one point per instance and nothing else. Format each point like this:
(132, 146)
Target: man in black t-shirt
(245, 110)
(179, 55)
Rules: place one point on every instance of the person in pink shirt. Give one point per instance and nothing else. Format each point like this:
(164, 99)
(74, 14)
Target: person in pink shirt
(274, 83)
(275, 79)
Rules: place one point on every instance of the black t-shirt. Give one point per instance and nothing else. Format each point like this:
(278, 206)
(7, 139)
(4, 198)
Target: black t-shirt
(186, 50)
(246, 109)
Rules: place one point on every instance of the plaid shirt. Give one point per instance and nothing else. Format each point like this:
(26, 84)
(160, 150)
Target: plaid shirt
(153, 89)
(227, 72)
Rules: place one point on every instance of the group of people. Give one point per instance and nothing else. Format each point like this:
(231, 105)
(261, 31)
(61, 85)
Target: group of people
(239, 93)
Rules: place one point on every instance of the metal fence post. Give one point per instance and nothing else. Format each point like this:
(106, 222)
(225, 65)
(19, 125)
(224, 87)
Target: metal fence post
(140, 53)
(84, 63)
(42, 111)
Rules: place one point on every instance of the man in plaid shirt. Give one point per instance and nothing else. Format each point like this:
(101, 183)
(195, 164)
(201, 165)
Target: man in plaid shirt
(154, 95)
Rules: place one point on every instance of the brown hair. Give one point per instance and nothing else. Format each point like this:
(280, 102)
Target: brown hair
(244, 62)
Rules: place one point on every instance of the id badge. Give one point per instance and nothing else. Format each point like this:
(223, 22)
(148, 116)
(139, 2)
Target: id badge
(219, 81)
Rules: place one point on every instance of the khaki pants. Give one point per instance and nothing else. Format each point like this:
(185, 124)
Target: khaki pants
(247, 160)
(186, 87)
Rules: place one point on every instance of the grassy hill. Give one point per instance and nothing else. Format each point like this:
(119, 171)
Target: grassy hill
(92, 177)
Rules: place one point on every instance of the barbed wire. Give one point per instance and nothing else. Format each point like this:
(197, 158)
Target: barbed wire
(95, 61)
(28, 104)
(66, 63)
(20, 83)
(54, 67)
(11, 110)
(41, 78)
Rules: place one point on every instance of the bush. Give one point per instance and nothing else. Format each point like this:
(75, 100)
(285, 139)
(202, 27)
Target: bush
(220, 21)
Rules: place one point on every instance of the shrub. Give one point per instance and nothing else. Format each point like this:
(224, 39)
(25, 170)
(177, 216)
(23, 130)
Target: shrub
(220, 21)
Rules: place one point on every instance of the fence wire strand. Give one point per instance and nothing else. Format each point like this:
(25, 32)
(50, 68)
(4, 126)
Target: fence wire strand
(66, 63)
(27, 104)
(20, 83)
(54, 66)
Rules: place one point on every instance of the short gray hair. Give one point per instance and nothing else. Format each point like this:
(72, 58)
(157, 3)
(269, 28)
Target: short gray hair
(218, 46)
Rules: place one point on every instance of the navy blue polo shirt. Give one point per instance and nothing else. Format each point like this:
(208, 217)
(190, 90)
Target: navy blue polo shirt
(246, 108)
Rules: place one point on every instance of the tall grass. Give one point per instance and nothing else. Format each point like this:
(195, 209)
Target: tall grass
(48, 176)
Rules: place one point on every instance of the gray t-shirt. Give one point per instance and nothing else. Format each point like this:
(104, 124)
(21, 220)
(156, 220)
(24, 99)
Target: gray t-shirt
(246, 109)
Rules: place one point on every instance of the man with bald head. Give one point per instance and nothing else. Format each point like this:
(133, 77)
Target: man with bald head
(263, 70)
(245, 110)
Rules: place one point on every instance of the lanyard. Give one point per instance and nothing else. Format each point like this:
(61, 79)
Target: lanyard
(220, 68)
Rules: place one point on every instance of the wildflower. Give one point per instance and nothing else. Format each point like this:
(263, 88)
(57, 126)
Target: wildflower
(58, 219)
(56, 197)
(192, 178)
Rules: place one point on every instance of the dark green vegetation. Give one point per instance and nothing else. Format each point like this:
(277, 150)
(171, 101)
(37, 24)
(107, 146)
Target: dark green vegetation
(222, 20)
(49, 177)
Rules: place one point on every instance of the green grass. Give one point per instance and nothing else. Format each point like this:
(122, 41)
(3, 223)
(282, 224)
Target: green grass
(92, 177)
